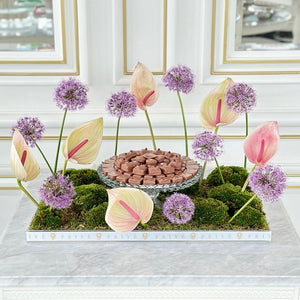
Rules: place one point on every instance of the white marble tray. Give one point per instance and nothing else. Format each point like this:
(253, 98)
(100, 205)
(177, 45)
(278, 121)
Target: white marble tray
(151, 236)
(168, 264)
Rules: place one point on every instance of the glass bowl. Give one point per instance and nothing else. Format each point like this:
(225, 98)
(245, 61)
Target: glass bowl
(152, 190)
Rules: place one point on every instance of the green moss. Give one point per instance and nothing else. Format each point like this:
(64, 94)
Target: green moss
(46, 217)
(89, 195)
(233, 197)
(210, 211)
(250, 217)
(231, 174)
(83, 176)
(88, 209)
(198, 189)
(96, 216)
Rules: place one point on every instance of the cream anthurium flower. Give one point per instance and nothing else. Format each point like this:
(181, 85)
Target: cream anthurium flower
(83, 143)
(127, 207)
(213, 111)
(23, 164)
(143, 86)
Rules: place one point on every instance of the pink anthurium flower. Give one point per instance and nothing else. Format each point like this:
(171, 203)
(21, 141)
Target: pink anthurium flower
(261, 145)
(127, 207)
(23, 164)
(143, 86)
(145, 90)
(83, 143)
(213, 111)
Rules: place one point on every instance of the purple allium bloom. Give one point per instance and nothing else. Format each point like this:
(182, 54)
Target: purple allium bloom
(121, 104)
(31, 129)
(180, 79)
(71, 94)
(57, 191)
(240, 98)
(267, 183)
(179, 208)
(207, 146)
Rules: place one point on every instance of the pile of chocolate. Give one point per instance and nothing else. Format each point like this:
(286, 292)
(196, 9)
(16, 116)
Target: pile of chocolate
(149, 167)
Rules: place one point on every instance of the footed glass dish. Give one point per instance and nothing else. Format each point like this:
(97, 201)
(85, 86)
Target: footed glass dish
(152, 190)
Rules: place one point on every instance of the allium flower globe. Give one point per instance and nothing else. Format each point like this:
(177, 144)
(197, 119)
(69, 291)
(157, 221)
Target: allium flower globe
(268, 183)
(207, 146)
(57, 191)
(31, 129)
(180, 79)
(179, 208)
(121, 104)
(240, 98)
(71, 94)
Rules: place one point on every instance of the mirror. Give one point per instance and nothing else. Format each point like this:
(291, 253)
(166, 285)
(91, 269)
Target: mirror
(26, 25)
(267, 25)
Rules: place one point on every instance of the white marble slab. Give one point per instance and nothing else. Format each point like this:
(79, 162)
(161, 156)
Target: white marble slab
(276, 263)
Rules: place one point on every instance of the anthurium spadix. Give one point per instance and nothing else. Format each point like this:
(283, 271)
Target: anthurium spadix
(143, 86)
(127, 207)
(213, 111)
(261, 145)
(23, 164)
(83, 143)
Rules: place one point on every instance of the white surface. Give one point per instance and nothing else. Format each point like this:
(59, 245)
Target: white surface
(166, 293)
(9, 200)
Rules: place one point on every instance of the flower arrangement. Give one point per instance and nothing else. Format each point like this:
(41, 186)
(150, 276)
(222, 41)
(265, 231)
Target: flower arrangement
(228, 198)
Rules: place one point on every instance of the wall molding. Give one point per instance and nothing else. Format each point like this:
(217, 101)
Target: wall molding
(69, 65)
(164, 50)
(220, 64)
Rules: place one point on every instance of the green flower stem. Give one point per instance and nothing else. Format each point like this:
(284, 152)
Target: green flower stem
(216, 129)
(65, 166)
(150, 127)
(242, 208)
(203, 171)
(143, 224)
(222, 179)
(247, 180)
(184, 125)
(245, 158)
(59, 140)
(44, 157)
(26, 192)
(117, 135)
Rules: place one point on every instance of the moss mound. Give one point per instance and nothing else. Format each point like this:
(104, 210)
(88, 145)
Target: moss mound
(231, 174)
(199, 190)
(250, 217)
(96, 216)
(46, 217)
(210, 211)
(233, 197)
(83, 176)
(89, 195)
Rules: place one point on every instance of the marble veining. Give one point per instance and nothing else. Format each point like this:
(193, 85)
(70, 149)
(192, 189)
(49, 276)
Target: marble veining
(275, 263)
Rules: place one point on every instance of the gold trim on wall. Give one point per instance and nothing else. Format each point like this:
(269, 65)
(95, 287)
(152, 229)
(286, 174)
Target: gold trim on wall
(226, 61)
(64, 51)
(161, 137)
(6, 188)
(164, 67)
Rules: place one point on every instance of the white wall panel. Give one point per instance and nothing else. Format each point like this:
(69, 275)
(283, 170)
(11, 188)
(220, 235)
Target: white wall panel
(145, 33)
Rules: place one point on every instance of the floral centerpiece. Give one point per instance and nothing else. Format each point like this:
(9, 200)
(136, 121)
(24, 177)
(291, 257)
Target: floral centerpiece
(229, 198)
